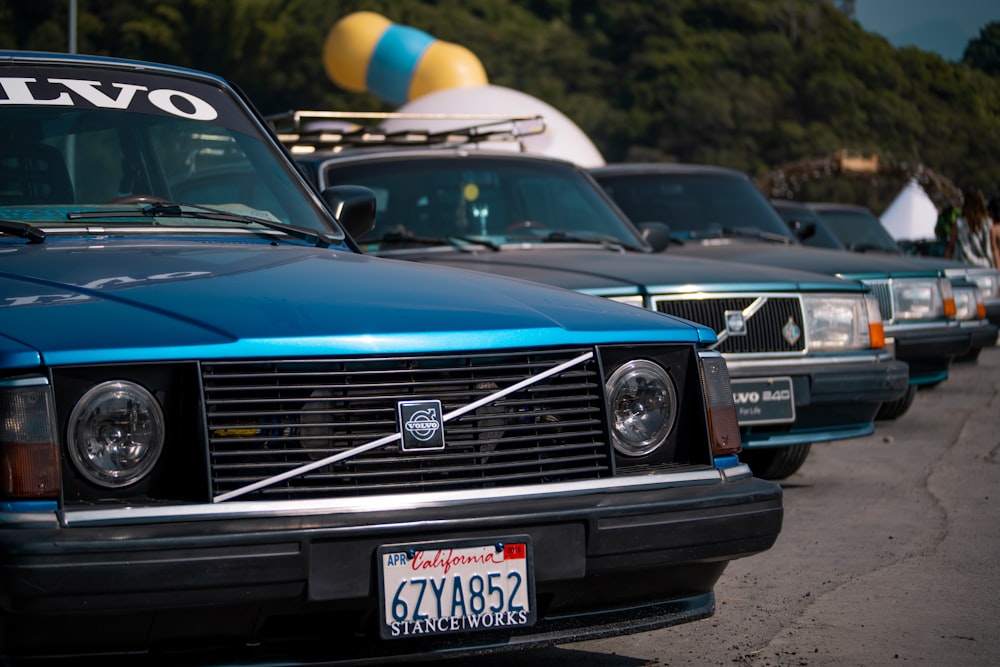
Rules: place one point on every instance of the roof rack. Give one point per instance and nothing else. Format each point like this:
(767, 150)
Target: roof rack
(309, 131)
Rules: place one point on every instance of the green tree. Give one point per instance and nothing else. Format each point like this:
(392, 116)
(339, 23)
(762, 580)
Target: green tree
(750, 84)
(983, 52)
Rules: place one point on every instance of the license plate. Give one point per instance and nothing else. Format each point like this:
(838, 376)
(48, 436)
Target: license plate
(460, 586)
(764, 400)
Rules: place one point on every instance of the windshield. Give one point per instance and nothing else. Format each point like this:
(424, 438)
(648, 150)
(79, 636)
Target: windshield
(695, 205)
(76, 140)
(812, 230)
(492, 199)
(858, 230)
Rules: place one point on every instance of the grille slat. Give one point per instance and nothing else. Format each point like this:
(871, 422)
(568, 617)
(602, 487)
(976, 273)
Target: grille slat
(260, 404)
(402, 461)
(493, 480)
(457, 437)
(345, 368)
(495, 461)
(764, 329)
(268, 417)
(386, 395)
(882, 291)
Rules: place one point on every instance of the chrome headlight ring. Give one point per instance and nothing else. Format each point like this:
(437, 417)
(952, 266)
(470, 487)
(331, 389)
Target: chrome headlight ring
(642, 399)
(116, 433)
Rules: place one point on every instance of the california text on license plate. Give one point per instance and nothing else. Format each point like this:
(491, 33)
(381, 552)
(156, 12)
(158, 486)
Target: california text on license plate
(457, 586)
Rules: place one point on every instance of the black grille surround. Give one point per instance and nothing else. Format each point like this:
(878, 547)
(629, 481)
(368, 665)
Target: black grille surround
(266, 418)
(764, 328)
(882, 291)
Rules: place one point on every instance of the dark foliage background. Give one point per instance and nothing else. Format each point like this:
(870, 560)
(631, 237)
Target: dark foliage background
(750, 84)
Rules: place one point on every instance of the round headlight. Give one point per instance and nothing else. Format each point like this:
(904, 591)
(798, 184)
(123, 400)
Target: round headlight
(116, 433)
(643, 402)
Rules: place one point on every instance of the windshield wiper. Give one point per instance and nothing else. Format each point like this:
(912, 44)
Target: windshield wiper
(608, 242)
(868, 247)
(459, 242)
(178, 210)
(716, 232)
(755, 233)
(22, 230)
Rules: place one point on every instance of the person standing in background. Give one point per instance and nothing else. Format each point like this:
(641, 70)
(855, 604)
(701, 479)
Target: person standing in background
(973, 237)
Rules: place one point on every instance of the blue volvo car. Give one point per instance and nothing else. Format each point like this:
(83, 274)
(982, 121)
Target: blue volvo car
(227, 436)
(805, 351)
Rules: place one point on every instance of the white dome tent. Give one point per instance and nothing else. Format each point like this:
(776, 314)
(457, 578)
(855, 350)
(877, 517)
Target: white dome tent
(911, 216)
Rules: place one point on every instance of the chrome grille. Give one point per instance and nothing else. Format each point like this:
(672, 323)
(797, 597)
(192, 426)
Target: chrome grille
(268, 417)
(764, 328)
(882, 291)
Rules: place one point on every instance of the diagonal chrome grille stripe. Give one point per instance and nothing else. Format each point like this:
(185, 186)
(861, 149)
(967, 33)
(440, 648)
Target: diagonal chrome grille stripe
(748, 312)
(381, 442)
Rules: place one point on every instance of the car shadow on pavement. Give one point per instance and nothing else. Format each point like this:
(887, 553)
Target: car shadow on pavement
(549, 657)
(786, 485)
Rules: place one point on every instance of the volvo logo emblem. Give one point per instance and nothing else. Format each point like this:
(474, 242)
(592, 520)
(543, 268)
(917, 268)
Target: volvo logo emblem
(423, 424)
(736, 324)
(791, 331)
(420, 425)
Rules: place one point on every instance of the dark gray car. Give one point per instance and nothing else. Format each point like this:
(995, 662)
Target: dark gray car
(804, 350)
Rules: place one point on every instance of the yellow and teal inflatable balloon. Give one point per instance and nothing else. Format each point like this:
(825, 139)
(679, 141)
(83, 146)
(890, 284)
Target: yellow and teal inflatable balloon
(365, 51)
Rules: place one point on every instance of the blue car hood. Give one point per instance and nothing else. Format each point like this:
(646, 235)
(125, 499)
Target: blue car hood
(105, 302)
(841, 263)
(621, 273)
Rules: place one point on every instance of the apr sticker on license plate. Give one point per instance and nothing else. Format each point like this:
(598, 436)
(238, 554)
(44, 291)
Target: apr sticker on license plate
(460, 586)
(764, 400)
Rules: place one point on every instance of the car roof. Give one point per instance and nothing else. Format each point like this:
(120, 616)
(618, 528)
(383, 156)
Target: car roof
(833, 206)
(790, 205)
(632, 168)
(442, 152)
(48, 58)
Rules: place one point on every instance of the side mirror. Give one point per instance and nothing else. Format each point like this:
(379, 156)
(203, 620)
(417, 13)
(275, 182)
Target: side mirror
(353, 206)
(656, 234)
(803, 230)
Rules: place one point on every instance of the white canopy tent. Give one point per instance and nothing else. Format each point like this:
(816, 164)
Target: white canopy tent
(912, 215)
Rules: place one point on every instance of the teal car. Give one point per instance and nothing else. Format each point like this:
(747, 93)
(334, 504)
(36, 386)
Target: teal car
(855, 228)
(719, 213)
(229, 437)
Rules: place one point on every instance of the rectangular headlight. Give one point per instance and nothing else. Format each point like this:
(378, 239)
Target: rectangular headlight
(988, 282)
(965, 304)
(969, 303)
(837, 323)
(917, 298)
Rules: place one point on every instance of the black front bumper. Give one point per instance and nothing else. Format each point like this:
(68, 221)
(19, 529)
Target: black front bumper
(302, 586)
(993, 312)
(834, 398)
(983, 336)
(929, 352)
